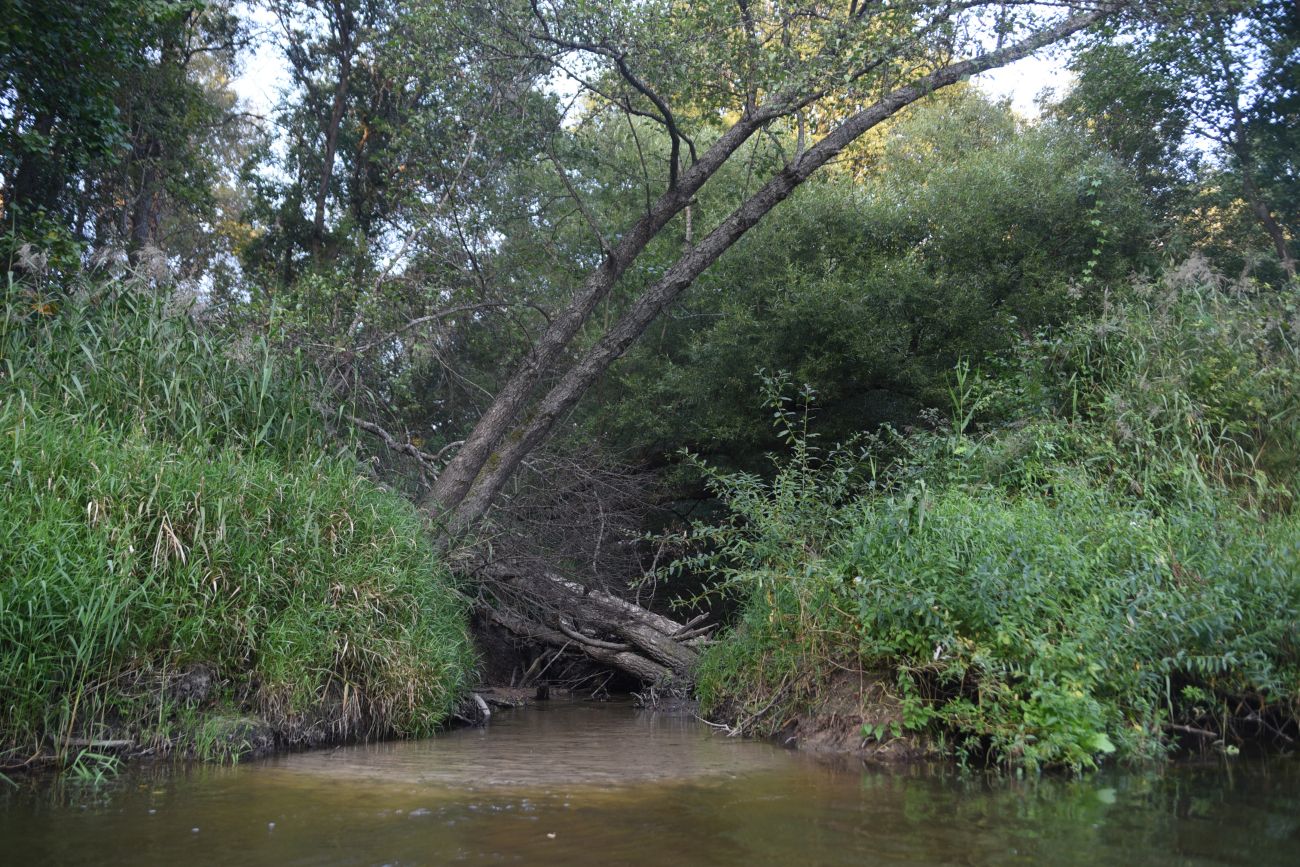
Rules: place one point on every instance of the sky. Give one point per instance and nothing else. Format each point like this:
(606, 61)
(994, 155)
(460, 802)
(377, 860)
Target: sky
(263, 75)
(1022, 81)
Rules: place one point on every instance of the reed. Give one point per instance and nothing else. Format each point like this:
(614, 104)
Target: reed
(170, 505)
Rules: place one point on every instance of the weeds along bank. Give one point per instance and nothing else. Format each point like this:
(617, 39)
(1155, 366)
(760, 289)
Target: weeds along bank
(185, 564)
(1098, 555)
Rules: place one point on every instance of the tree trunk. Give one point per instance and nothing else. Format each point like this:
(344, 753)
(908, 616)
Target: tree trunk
(345, 25)
(645, 670)
(34, 184)
(456, 478)
(468, 502)
(1239, 141)
(612, 631)
(143, 216)
(1265, 216)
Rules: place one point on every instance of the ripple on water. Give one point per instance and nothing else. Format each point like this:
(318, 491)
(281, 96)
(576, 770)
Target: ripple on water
(552, 747)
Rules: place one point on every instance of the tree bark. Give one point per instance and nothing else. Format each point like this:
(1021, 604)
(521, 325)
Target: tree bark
(1269, 222)
(645, 670)
(144, 212)
(648, 646)
(34, 185)
(468, 503)
(1239, 142)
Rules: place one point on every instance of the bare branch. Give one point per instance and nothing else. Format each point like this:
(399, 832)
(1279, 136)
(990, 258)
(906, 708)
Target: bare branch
(665, 116)
(445, 314)
(428, 463)
(578, 200)
(589, 641)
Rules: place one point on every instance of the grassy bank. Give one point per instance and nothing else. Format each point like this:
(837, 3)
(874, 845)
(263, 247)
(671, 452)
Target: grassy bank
(186, 564)
(1098, 555)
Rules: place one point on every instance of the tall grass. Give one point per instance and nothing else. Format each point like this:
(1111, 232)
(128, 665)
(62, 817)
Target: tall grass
(1192, 383)
(1109, 561)
(168, 505)
(125, 356)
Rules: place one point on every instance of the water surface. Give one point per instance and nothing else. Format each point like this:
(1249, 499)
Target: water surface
(585, 784)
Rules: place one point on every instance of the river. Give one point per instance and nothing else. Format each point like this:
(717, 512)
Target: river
(578, 783)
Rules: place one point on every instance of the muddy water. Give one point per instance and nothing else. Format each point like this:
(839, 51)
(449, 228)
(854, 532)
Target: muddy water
(581, 784)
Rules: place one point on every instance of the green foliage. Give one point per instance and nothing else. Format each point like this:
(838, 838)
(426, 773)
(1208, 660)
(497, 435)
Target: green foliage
(115, 355)
(114, 116)
(1060, 587)
(167, 503)
(976, 230)
(1273, 131)
(1194, 383)
(57, 115)
(1195, 98)
(1137, 113)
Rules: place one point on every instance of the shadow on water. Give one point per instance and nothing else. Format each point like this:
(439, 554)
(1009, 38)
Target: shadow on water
(579, 784)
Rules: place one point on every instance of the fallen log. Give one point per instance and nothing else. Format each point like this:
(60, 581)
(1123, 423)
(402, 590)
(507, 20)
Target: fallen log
(546, 606)
(641, 667)
(99, 743)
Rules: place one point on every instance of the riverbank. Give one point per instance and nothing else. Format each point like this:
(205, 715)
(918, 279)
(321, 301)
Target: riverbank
(1106, 566)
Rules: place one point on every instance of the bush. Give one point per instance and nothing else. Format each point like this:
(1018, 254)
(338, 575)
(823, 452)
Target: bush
(169, 507)
(1109, 564)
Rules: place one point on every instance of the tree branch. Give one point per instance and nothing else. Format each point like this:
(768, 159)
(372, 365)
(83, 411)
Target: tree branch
(615, 342)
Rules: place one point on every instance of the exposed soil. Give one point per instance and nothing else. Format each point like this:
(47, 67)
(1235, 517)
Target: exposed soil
(854, 713)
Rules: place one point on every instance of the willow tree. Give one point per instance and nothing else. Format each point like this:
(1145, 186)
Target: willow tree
(713, 75)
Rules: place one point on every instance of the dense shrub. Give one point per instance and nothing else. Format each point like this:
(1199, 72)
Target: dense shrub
(167, 503)
(1119, 562)
(972, 231)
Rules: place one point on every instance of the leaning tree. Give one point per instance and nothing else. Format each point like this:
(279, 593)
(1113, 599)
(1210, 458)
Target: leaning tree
(711, 76)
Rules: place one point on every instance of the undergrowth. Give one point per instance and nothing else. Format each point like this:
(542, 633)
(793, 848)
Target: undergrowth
(179, 546)
(1096, 555)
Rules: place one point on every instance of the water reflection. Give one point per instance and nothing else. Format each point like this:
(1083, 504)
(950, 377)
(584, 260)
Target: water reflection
(579, 784)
